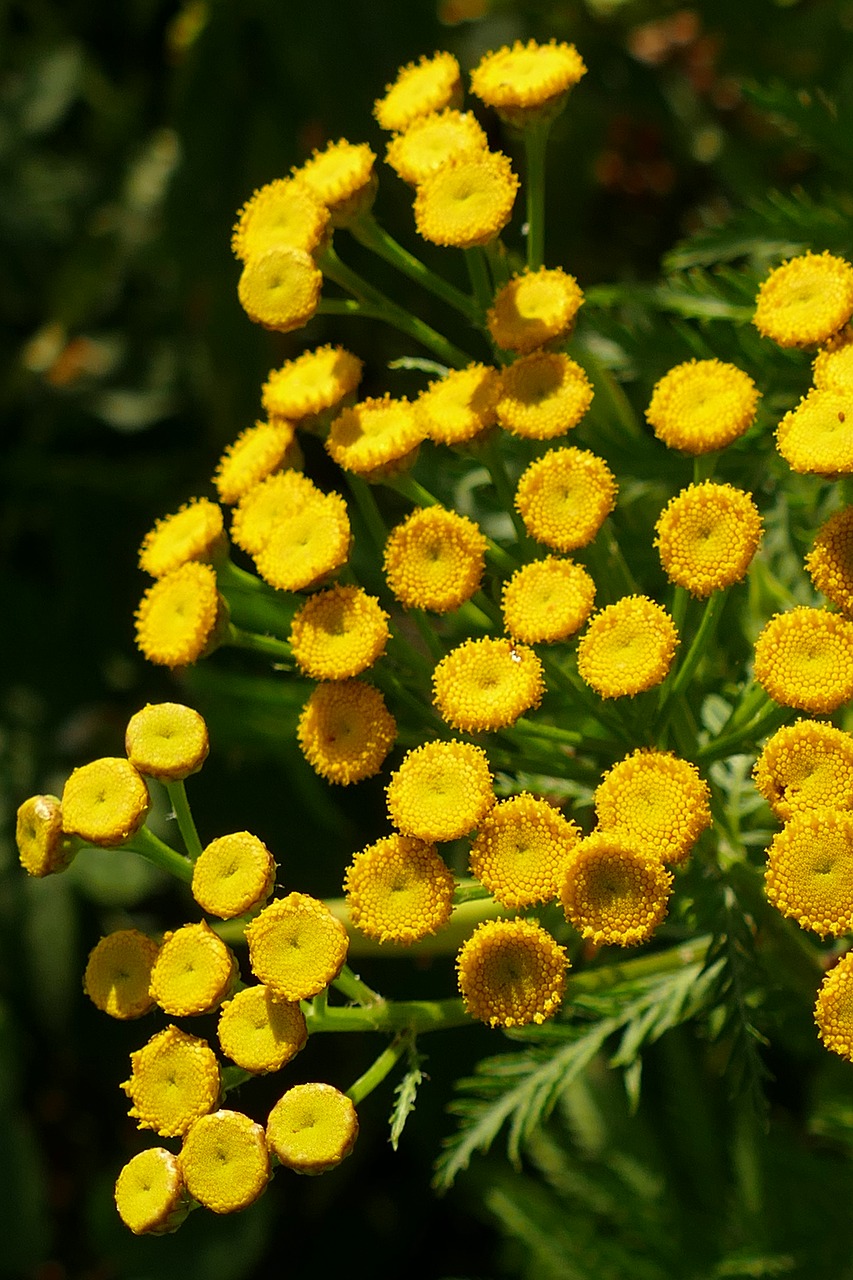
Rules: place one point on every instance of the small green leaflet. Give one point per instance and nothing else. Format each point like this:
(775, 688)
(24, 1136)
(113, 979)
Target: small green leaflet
(405, 1094)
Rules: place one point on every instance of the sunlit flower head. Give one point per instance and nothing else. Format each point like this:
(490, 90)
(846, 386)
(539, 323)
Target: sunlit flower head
(150, 1195)
(345, 731)
(834, 1008)
(312, 1128)
(167, 740)
(194, 971)
(805, 301)
(564, 497)
(487, 684)
(832, 368)
(807, 765)
(296, 946)
(511, 972)
(522, 849)
(809, 874)
(441, 791)
(180, 617)
(434, 560)
(271, 502)
(527, 81)
(534, 308)
(628, 647)
(174, 1080)
(338, 633)
(399, 890)
(816, 438)
(258, 452)
(374, 435)
(105, 802)
(232, 875)
(118, 974)
(195, 532)
(707, 536)
(259, 1031)
(420, 88)
(304, 548)
(430, 141)
(612, 893)
(284, 212)
(702, 405)
(225, 1162)
(43, 846)
(311, 382)
(543, 396)
(460, 406)
(547, 600)
(804, 659)
(468, 201)
(830, 561)
(654, 802)
(280, 288)
(342, 177)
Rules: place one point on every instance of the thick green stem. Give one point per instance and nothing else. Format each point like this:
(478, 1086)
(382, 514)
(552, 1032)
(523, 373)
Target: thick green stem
(674, 687)
(503, 488)
(367, 231)
(162, 855)
(445, 942)
(269, 646)
(478, 272)
(375, 1074)
(178, 796)
(535, 147)
(350, 985)
(415, 1016)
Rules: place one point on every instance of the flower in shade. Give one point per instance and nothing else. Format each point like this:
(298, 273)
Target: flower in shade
(434, 560)
(834, 1008)
(468, 201)
(534, 308)
(816, 438)
(43, 846)
(338, 633)
(441, 791)
(399, 889)
(543, 395)
(280, 288)
(564, 497)
(232, 875)
(194, 971)
(419, 89)
(547, 600)
(487, 684)
(374, 435)
(105, 802)
(702, 405)
(194, 533)
(271, 502)
(807, 765)
(284, 212)
(118, 974)
(302, 549)
(804, 659)
(521, 850)
(511, 972)
(809, 874)
(654, 802)
(345, 731)
(259, 1031)
(150, 1195)
(296, 946)
(832, 368)
(628, 647)
(258, 452)
(830, 561)
(224, 1161)
(527, 81)
(174, 1080)
(461, 406)
(312, 1128)
(311, 382)
(614, 894)
(707, 535)
(181, 616)
(167, 740)
(431, 140)
(342, 177)
(805, 301)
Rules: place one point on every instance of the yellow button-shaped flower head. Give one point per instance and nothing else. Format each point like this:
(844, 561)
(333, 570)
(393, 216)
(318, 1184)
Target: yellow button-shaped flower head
(702, 405)
(807, 765)
(375, 435)
(834, 1008)
(543, 396)
(260, 1031)
(816, 438)
(521, 851)
(284, 212)
(564, 497)
(342, 177)
(468, 201)
(105, 802)
(174, 1080)
(195, 532)
(804, 659)
(547, 600)
(271, 503)
(628, 647)
(809, 874)
(167, 740)
(805, 301)
(305, 537)
(194, 971)
(534, 308)
(339, 633)
(399, 890)
(441, 791)
(118, 974)
(225, 1162)
(43, 846)
(832, 369)
(345, 731)
(511, 972)
(296, 946)
(656, 802)
(258, 452)
(430, 141)
(232, 875)
(613, 893)
(527, 81)
(311, 382)
(312, 1128)
(435, 559)
(830, 561)
(707, 536)
(461, 406)
(180, 617)
(487, 684)
(150, 1194)
(419, 89)
(280, 288)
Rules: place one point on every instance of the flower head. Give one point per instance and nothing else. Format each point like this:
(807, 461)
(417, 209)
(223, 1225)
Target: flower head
(150, 1194)
(296, 946)
(628, 647)
(832, 368)
(805, 301)
(313, 381)
(807, 765)
(43, 846)
(167, 740)
(180, 617)
(174, 1080)
(225, 1162)
(434, 560)
(105, 802)
(375, 434)
(302, 548)
(342, 177)
(564, 497)
(460, 406)
(613, 893)
(521, 851)
(511, 972)
(702, 405)
(834, 1008)
(830, 561)
(816, 438)
(194, 533)
(431, 140)
(547, 600)
(118, 974)
(312, 1128)
(534, 308)
(707, 536)
(399, 889)
(543, 395)
(338, 633)
(468, 201)
(345, 731)
(440, 791)
(487, 684)
(258, 452)
(271, 502)
(419, 89)
(194, 971)
(528, 81)
(284, 212)
(809, 874)
(804, 659)
(232, 875)
(280, 288)
(261, 1032)
(654, 802)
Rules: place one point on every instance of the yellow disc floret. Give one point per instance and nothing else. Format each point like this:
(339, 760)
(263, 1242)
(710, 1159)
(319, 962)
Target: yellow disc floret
(707, 536)
(194, 971)
(259, 1031)
(564, 497)
(613, 893)
(258, 452)
(511, 972)
(460, 406)
(150, 1194)
(419, 89)
(435, 560)
(232, 875)
(399, 890)
(804, 659)
(816, 438)
(702, 405)
(312, 1128)
(807, 765)
(280, 288)
(167, 740)
(118, 974)
(527, 81)
(522, 849)
(809, 874)
(832, 368)
(296, 946)
(313, 381)
(543, 395)
(628, 647)
(830, 561)
(179, 617)
(805, 301)
(547, 600)
(225, 1162)
(374, 435)
(468, 201)
(174, 1080)
(338, 633)
(342, 177)
(430, 141)
(657, 803)
(534, 308)
(105, 802)
(345, 731)
(487, 684)
(194, 533)
(441, 791)
(834, 1008)
(43, 846)
(284, 212)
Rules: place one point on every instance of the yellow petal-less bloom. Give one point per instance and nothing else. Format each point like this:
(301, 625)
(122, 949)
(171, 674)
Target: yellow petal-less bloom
(280, 289)
(564, 497)
(511, 973)
(342, 177)
(534, 308)
(816, 438)
(807, 765)
(707, 535)
(271, 502)
(830, 561)
(258, 452)
(194, 533)
(834, 1008)
(150, 1194)
(174, 1080)
(105, 802)
(654, 802)
(232, 875)
(613, 894)
(43, 846)
(302, 550)
(179, 618)
(461, 406)
(434, 560)
(543, 396)
(313, 381)
(345, 731)
(419, 89)
(399, 890)
(809, 874)
(259, 1031)
(468, 201)
(312, 1128)
(338, 633)
(194, 971)
(527, 81)
(167, 740)
(628, 647)
(296, 946)
(375, 434)
(225, 1162)
(702, 405)
(430, 141)
(487, 684)
(441, 791)
(118, 974)
(284, 212)
(805, 301)
(832, 368)
(804, 659)
(522, 849)
(547, 600)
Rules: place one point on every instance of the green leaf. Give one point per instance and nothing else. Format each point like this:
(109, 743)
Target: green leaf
(405, 1094)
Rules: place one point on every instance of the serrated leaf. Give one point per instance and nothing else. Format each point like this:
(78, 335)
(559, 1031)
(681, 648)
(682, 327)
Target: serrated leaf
(405, 1096)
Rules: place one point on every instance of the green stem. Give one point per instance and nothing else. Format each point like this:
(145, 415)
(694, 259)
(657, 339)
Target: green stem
(503, 488)
(178, 796)
(229, 574)
(698, 648)
(535, 146)
(350, 985)
(445, 942)
(162, 855)
(365, 500)
(367, 231)
(415, 1016)
(704, 466)
(269, 646)
(375, 1074)
(481, 284)
(771, 718)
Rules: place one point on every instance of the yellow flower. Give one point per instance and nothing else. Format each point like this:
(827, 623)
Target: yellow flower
(441, 791)
(468, 201)
(613, 893)
(487, 684)
(312, 1128)
(564, 497)
(521, 851)
(225, 1162)
(313, 381)
(194, 533)
(627, 647)
(167, 740)
(150, 1194)
(374, 435)
(702, 405)
(43, 846)
(834, 1008)
(807, 765)
(280, 288)
(342, 177)
(707, 536)
(543, 395)
(654, 802)
(809, 874)
(180, 617)
(830, 561)
(118, 974)
(284, 212)
(105, 802)
(547, 600)
(431, 140)
(511, 972)
(816, 438)
(338, 633)
(804, 659)
(272, 502)
(832, 368)
(345, 731)
(296, 946)
(419, 89)
(302, 548)
(399, 890)
(460, 406)
(194, 971)
(434, 560)
(534, 308)
(527, 81)
(174, 1080)
(805, 301)
(257, 452)
(260, 1031)
(232, 875)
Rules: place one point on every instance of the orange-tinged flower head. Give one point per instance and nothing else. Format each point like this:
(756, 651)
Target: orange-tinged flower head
(434, 560)
(338, 633)
(258, 452)
(834, 1008)
(105, 802)
(461, 406)
(225, 1162)
(167, 740)
(628, 647)
(195, 532)
(312, 1128)
(150, 1195)
(311, 382)
(816, 438)
(805, 301)
(832, 368)
(232, 875)
(543, 396)
(547, 600)
(521, 851)
(830, 561)
(296, 946)
(702, 405)
(375, 435)
(420, 88)
(487, 684)
(468, 201)
(174, 1080)
(259, 1031)
(280, 288)
(271, 502)
(807, 765)
(534, 308)
(430, 141)
(345, 731)
(305, 547)
(399, 889)
(511, 973)
(118, 974)
(614, 894)
(182, 617)
(342, 177)
(194, 971)
(441, 791)
(528, 81)
(564, 497)
(804, 659)
(654, 802)
(43, 846)
(284, 212)
(707, 535)
(809, 874)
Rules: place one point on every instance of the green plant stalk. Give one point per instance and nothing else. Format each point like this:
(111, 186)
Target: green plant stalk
(535, 147)
(685, 670)
(367, 231)
(269, 646)
(414, 1016)
(446, 941)
(768, 721)
(350, 985)
(376, 1073)
(481, 284)
(177, 793)
(572, 684)
(500, 480)
(162, 855)
(365, 501)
